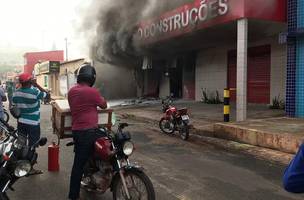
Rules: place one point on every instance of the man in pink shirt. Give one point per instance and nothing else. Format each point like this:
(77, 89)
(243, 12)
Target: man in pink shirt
(83, 100)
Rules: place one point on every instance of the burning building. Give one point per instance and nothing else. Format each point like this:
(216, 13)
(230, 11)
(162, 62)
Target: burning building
(193, 47)
(204, 46)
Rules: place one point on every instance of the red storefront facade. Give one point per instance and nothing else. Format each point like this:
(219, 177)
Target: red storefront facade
(32, 58)
(207, 32)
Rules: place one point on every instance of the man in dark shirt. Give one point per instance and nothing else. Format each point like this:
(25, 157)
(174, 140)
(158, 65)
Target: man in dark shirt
(83, 100)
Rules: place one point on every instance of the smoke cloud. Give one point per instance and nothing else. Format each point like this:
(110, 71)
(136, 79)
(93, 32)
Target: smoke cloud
(111, 26)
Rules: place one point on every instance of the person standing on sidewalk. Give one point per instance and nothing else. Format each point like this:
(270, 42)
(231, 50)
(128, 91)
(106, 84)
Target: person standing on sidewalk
(27, 99)
(2, 99)
(83, 100)
(10, 91)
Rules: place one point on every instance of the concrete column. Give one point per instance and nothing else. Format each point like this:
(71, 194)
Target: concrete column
(242, 43)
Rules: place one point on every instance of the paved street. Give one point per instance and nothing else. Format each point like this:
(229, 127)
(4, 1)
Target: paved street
(178, 169)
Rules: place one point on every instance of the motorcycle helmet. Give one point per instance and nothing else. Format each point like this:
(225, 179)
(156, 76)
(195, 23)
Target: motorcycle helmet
(86, 74)
(25, 77)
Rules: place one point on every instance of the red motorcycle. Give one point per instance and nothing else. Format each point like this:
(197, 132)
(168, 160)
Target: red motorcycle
(174, 119)
(110, 168)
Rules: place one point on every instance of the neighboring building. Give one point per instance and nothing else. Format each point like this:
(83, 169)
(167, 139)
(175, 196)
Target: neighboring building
(216, 44)
(67, 74)
(47, 75)
(32, 58)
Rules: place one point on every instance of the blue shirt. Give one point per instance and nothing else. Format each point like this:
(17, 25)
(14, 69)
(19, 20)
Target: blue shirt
(28, 101)
(293, 179)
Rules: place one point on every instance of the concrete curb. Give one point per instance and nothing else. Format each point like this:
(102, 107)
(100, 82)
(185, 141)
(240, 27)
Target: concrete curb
(202, 136)
(286, 142)
(258, 152)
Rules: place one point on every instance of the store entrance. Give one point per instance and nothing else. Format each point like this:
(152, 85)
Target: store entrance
(182, 77)
(176, 80)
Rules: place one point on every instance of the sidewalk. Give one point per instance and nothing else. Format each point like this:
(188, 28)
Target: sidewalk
(264, 128)
(283, 134)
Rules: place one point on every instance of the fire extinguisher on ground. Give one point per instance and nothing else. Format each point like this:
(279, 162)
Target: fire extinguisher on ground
(53, 156)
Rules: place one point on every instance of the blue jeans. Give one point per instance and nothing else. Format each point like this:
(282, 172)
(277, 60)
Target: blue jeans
(31, 131)
(84, 148)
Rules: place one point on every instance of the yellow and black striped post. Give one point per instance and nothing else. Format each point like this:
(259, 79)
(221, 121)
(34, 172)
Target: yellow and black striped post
(226, 105)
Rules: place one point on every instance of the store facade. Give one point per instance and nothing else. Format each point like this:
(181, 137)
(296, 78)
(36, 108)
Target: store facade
(208, 45)
(47, 74)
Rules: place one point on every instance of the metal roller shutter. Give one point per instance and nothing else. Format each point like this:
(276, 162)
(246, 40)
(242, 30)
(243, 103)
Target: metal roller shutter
(258, 74)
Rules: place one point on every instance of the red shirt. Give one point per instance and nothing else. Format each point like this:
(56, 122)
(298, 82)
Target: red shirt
(83, 101)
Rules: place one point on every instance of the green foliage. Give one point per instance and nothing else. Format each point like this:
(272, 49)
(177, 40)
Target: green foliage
(211, 98)
(277, 103)
(205, 96)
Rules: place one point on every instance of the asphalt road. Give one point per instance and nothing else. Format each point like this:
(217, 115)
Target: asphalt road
(179, 170)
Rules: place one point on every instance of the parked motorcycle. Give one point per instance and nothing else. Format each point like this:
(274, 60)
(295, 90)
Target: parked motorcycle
(174, 119)
(16, 157)
(110, 168)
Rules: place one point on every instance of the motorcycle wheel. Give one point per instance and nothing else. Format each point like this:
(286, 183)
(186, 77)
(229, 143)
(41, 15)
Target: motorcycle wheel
(139, 185)
(166, 126)
(6, 117)
(3, 196)
(184, 131)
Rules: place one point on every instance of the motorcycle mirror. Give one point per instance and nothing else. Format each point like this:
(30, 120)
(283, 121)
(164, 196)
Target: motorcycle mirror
(15, 111)
(42, 141)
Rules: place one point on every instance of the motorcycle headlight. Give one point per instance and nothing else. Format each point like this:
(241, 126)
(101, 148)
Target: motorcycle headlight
(128, 148)
(22, 168)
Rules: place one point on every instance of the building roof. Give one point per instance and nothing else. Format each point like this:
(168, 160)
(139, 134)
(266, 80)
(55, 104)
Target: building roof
(70, 66)
(71, 61)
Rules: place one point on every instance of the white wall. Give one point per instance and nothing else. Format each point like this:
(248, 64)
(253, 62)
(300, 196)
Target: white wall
(211, 71)
(211, 68)
(278, 71)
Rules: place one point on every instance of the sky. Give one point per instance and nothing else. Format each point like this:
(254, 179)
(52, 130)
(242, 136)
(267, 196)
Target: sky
(38, 25)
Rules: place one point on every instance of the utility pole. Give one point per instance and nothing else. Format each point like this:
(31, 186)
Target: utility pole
(66, 49)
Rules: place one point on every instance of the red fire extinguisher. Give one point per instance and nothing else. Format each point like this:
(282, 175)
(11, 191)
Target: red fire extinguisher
(53, 157)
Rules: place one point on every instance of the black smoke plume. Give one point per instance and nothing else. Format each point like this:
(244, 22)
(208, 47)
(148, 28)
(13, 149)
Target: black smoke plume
(111, 26)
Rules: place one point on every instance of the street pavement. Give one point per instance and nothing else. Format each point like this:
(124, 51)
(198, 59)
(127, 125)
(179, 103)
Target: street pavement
(179, 170)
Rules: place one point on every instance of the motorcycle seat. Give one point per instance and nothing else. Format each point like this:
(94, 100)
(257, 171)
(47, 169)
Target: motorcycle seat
(182, 111)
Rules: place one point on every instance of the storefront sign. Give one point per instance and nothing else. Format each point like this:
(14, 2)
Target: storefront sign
(48, 67)
(206, 10)
(54, 66)
(201, 14)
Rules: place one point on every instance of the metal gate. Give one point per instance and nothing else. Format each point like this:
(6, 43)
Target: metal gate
(258, 74)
